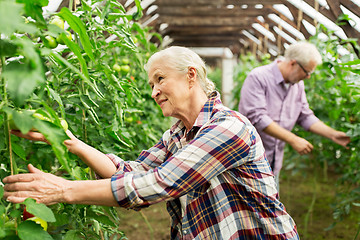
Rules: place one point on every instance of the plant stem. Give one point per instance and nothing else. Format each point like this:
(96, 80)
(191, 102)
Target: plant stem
(71, 5)
(358, 232)
(148, 224)
(311, 208)
(325, 170)
(7, 125)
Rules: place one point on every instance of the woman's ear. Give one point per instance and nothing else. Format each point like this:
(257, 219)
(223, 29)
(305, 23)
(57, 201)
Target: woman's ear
(191, 76)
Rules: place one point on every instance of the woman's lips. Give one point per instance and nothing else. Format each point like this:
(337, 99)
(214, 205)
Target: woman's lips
(162, 102)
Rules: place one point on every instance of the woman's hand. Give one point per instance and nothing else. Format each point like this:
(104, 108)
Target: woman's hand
(34, 136)
(95, 159)
(43, 187)
(72, 144)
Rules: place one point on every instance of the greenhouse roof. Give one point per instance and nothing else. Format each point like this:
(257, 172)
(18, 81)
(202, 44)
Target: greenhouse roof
(257, 25)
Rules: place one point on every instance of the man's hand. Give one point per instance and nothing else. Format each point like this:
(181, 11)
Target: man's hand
(340, 138)
(301, 145)
(43, 187)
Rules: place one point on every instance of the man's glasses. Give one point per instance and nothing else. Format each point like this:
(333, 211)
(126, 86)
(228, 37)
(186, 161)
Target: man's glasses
(306, 72)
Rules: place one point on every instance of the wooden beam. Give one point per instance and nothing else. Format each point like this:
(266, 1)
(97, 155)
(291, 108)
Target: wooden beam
(207, 21)
(202, 43)
(295, 12)
(351, 6)
(191, 30)
(208, 11)
(269, 25)
(327, 13)
(176, 3)
(348, 29)
(282, 29)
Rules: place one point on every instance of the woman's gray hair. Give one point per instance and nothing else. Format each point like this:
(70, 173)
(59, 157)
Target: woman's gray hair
(181, 58)
(303, 52)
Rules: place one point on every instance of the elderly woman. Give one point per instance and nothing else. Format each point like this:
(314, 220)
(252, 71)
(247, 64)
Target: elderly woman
(210, 166)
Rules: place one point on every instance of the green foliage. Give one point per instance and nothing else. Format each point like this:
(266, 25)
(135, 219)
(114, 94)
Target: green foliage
(74, 81)
(215, 75)
(246, 64)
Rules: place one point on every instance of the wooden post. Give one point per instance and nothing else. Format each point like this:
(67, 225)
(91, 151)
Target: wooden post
(300, 18)
(316, 6)
(261, 49)
(266, 41)
(279, 39)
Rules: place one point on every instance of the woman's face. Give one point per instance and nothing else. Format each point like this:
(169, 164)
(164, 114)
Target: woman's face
(170, 89)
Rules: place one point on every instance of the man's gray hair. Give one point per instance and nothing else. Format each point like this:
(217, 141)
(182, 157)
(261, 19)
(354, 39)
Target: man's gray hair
(181, 58)
(303, 52)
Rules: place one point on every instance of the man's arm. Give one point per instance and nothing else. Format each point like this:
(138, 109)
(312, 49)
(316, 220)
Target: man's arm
(322, 129)
(301, 145)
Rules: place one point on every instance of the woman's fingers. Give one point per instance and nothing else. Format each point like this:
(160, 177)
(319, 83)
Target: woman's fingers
(34, 136)
(33, 169)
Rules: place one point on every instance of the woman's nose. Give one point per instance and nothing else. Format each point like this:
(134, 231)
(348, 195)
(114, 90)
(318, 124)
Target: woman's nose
(155, 92)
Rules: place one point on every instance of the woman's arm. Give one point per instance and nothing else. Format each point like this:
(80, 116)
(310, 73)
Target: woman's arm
(49, 189)
(95, 159)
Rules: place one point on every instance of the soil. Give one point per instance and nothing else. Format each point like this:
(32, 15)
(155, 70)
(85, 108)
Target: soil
(307, 200)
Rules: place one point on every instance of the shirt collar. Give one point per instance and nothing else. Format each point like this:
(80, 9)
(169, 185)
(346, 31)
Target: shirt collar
(204, 115)
(277, 74)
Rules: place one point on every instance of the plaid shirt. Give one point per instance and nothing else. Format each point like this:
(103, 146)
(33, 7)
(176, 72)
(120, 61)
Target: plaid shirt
(220, 169)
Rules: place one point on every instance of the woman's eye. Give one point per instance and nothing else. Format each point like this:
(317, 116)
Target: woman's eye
(160, 78)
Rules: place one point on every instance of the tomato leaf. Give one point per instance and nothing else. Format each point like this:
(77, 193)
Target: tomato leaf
(56, 136)
(1, 191)
(34, 10)
(72, 235)
(29, 230)
(10, 18)
(78, 26)
(7, 48)
(39, 210)
(23, 120)
(22, 80)
(77, 51)
(18, 150)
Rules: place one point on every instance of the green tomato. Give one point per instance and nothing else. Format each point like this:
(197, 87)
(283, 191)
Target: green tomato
(68, 35)
(41, 117)
(117, 67)
(125, 69)
(38, 116)
(40, 221)
(50, 42)
(57, 21)
(129, 119)
(125, 61)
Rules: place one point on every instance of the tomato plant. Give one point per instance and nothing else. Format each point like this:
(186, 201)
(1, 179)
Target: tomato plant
(76, 84)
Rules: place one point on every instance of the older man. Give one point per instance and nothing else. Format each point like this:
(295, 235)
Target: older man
(273, 98)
